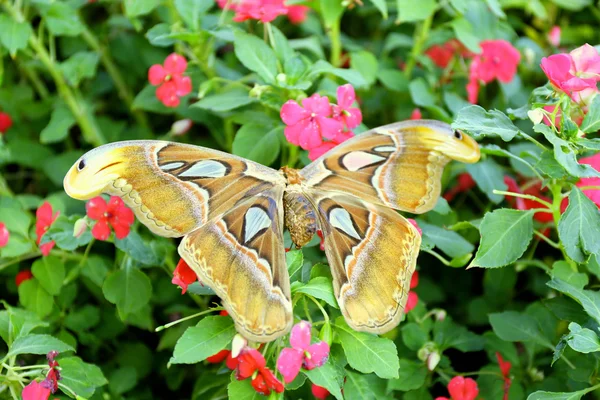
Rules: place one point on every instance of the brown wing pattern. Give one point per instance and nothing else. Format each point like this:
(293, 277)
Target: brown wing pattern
(372, 251)
(398, 165)
(172, 188)
(240, 255)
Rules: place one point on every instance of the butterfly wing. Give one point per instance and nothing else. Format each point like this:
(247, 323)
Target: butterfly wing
(228, 209)
(372, 251)
(240, 255)
(398, 165)
(173, 188)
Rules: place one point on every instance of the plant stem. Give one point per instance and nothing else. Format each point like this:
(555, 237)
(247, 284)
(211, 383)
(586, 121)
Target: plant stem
(123, 90)
(421, 37)
(170, 324)
(90, 131)
(336, 43)
(524, 196)
(33, 76)
(545, 239)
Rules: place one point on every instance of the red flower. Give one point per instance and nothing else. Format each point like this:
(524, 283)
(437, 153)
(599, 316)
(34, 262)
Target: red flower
(519, 203)
(115, 214)
(416, 114)
(322, 243)
(23, 276)
(5, 122)
(498, 60)
(505, 369)
(44, 218)
(307, 126)
(170, 77)
(297, 14)
(219, 357)
(260, 10)
(442, 54)
(183, 276)
(350, 116)
(461, 389)
(413, 299)
(464, 183)
(252, 364)
(35, 391)
(319, 392)
(302, 353)
(4, 235)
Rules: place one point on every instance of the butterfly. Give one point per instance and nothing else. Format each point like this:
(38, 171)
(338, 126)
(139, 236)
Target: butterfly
(231, 214)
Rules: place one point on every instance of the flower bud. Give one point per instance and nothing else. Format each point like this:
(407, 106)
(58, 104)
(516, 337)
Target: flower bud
(258, 90)
(433, 360)
(536, 115)
(80, 227)
(326, 334)
(440, 315)
(281, 78)
(181, 127)
(427, 349)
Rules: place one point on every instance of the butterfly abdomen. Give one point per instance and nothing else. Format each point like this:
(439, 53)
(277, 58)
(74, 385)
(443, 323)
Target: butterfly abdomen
(300, 217)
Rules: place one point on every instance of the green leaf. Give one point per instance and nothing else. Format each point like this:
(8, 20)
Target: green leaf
(366, 64)
(410, 11)
(393, 79)
(505, 235)
(368, 353)
(16, 220)
(358, 387)
(35, 298)
(464, 31)
(395, 40)
(572, 5)
(225, 101)
(478, 122)
(61, 231)
(516, 327)
(446, 240)
(565, 155)
(14, 35)
(258, 143)
(137, 249)
(331, 11)
(255, 55)
(295, 261)
(320, 288)
(590, 300)
(448, 334)
(549, 166)
(591, 121)
(129, 288)
(37, 344)
(541, 395)
(50, 272)
(136, 8)
(328, 377)
(83, 319)
(211, 335)
(382, 7)
(414, 336)
(579, 226)
(349, 75)
(242, 390)
(16, 322)
(62, 20)
(583, 340)
(81, 377)
(489, 176)
(191, 11)
(282, 46)
(123, 379)
(562, 270)
(411, 376)
(79, 66)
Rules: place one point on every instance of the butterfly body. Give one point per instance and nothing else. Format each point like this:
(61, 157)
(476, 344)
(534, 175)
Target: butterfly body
(231, 212)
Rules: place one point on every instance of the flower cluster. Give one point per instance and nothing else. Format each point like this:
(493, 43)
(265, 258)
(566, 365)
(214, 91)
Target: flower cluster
(317, 119)
(302, 353)
(113, 214)
(5, 122)
(183, 276)
(263, 10)
(170, 80)
(461, 389)
(41, 391)
(45, 216)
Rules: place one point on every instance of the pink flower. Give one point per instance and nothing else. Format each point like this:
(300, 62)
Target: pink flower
(297, 14)
(586, 62)
(306, 126)
(260, 10)
(319, 392)
(574, 72)
(114, 213)
(4, 235)
(35, 391)
(461, 389)
(5, 122)
(170, 77)
(416, 114)
(413, 299)
(473, 91)
(302, 353)
(554, 36)
(343, 111)
(593, 194)
(324, 147)
(44, 218)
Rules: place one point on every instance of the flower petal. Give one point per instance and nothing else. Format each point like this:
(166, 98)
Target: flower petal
(300, 335)
(329, 127)
(291, 113)
(156, 74)
(345, 96)
(175, 64)
(101, 231)
(411, 302)
(318, 105)
(183, 85)
(289, 363)
(319, 353)
(96, 208)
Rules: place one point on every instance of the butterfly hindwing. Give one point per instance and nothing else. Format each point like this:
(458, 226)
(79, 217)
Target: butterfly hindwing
(372, 251)
(398, 165)
(240, 255)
